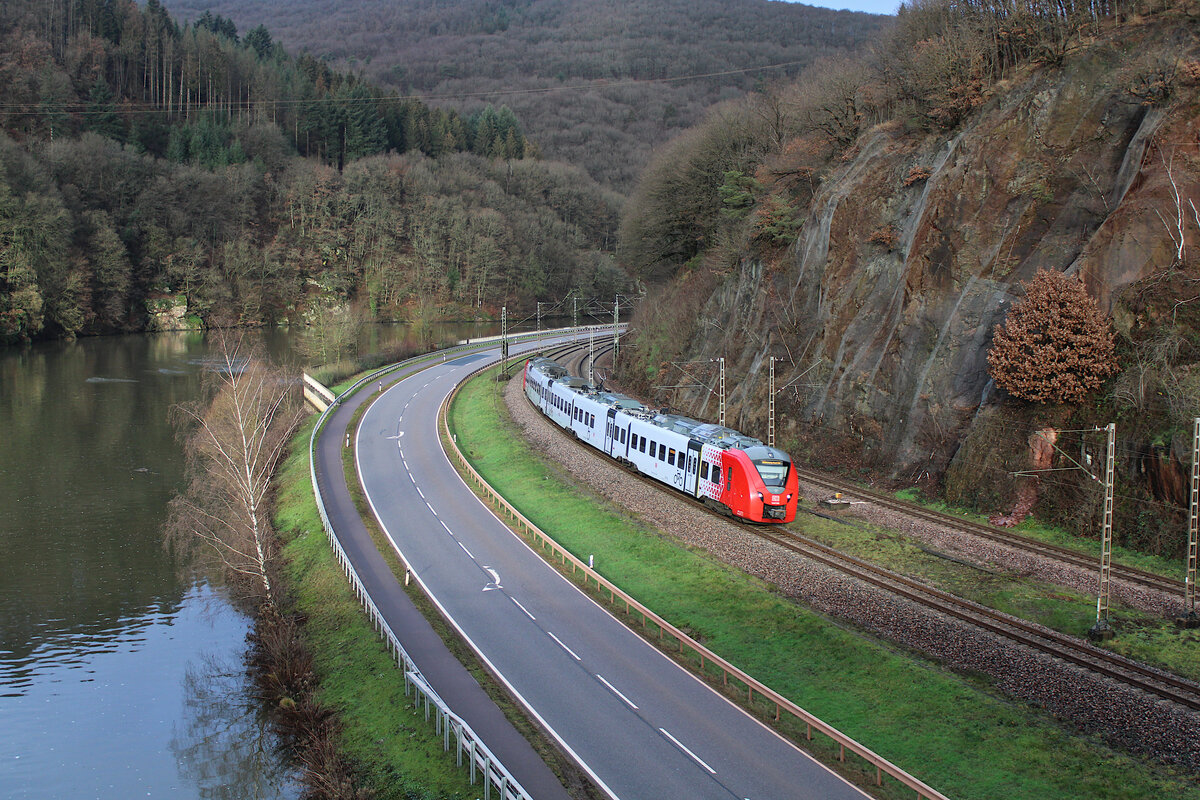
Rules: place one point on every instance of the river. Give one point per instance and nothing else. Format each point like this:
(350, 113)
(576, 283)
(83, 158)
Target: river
(121, 673)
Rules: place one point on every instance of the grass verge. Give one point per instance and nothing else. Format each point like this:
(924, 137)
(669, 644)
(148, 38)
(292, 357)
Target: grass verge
(1032, 528)
(395, 751)
(1147, 637)
(950, 731)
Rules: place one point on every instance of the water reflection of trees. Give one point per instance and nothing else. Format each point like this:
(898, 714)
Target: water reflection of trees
(223, 741)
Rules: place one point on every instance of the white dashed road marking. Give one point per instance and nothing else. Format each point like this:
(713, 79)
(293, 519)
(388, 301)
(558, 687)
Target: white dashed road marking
(613, 689)
(695, 757)
(564, 647)
(523, 608)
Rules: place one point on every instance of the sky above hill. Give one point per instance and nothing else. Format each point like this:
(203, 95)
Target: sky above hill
(869, 6)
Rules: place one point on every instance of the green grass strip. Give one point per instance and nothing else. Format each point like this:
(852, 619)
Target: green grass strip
(1149, 638)
(1033, 528)
(395, 751)
(950, 731)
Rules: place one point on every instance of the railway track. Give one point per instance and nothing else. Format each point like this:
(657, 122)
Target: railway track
(1053, 643)
(1001, 536)
(1035, 637)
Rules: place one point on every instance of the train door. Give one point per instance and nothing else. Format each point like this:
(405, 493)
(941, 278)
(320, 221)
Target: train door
(610, 430)
(692, 467)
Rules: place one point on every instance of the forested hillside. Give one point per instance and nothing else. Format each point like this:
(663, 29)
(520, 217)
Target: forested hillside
(868, 227)
(597, 84)
(158, 174)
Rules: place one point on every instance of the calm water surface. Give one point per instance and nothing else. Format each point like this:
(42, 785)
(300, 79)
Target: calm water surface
(120, 676)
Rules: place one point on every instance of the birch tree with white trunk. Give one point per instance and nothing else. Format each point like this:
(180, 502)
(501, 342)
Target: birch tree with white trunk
(233, 443)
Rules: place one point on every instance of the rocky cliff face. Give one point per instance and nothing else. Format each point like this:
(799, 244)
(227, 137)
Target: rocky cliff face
(915, 245)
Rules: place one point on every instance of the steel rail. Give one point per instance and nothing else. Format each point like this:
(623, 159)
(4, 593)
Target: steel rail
(999, 535)
(1045, 640)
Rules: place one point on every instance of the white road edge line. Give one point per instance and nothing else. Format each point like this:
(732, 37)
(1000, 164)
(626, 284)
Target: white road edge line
(695, 757)
(523, 608)
(564, 647)
(461, 632)
(614, 690)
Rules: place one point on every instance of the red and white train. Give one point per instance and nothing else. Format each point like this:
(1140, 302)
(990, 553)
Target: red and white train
(735, 474)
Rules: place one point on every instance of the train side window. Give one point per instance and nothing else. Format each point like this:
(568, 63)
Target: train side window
(729, 480)
(671, 457)
(623, 435)
(704, 470)
(642, 447)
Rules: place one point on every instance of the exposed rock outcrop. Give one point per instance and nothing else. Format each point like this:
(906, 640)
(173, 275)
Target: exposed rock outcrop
(887, 333)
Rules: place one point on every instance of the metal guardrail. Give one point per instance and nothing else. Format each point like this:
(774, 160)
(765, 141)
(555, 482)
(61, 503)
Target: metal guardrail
(481, 760)
(707, 657)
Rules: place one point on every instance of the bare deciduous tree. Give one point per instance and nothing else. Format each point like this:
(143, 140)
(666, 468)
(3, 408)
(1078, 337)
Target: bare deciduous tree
(331, 329)
(233, 444)
(1176, 223)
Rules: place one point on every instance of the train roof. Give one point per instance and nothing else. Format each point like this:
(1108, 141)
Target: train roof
(762, 452)
(621, 401)
(548, 367)
(716, 435)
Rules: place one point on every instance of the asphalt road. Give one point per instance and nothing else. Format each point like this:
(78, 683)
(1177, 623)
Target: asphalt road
(641, 726)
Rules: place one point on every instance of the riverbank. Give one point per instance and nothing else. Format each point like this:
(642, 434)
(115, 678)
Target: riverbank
(389, 747)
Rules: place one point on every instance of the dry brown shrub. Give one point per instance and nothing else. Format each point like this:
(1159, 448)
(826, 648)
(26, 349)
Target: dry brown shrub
(886, 237)
(916, 175)
(1055, 346)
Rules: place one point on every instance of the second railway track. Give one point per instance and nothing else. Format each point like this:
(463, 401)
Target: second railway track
(1001, 536)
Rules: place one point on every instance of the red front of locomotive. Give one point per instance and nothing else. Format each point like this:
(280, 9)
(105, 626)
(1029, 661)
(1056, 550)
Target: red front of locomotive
(759, 484)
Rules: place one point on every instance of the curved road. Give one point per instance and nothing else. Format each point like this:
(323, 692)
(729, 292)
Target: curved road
(640, 725)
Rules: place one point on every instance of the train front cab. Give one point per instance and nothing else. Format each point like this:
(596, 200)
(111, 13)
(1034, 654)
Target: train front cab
(760, 485)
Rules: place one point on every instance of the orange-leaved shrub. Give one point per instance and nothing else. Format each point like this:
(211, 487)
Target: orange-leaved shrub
(1055, 346)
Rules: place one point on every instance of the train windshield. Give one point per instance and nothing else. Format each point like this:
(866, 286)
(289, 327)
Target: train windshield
(773, 471)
